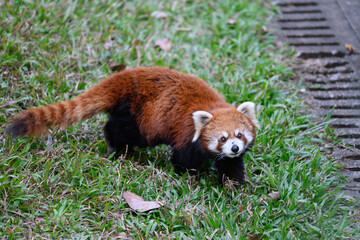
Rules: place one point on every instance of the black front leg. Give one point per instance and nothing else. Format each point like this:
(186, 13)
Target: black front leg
(232, 168)
(191, 157)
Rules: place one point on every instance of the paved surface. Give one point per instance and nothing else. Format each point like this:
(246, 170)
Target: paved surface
(319, 30)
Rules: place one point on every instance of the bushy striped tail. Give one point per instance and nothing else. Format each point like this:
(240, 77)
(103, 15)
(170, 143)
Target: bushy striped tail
(36, 121)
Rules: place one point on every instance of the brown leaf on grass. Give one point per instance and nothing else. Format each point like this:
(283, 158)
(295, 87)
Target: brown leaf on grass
(116, 67)
(183, 29)
(164, 44)
(262, 201)
(137, 42)
(108, 44)
(139, 204)
(231, 21)
(254, 237)
(274, 195)
(200, 33)
(121, 235)
(350, 48)
(8, 103)
(159, 15)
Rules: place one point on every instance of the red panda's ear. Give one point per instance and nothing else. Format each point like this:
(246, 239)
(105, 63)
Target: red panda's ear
(248, 110)
(200, 119)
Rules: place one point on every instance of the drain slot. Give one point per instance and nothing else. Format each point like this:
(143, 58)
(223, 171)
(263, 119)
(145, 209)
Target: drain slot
(352, 158)
(304, 11)
(345, 116)
(331, 106)
(320, 54)
(354, 169)
(338, 63)
(297, 4)
(342, 126)
(347, 136)
(305, 28)
(333, 71)
(314, 43)
(342, 97)
(309, 35)
(305, 19)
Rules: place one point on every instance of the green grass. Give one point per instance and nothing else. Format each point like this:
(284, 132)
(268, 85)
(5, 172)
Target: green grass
(63, 186)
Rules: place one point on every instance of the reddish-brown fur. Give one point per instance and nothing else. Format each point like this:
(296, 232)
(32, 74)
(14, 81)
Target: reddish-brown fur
(160, 100)
(169, 101)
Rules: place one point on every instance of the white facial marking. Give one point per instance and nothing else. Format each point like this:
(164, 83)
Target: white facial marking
(226, 148)
(237, 131)
(248, 110)
(248, 136)
(225, 134)
(200, 119)
(213, 144)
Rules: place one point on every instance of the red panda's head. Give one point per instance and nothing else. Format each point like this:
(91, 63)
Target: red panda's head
(226, 132)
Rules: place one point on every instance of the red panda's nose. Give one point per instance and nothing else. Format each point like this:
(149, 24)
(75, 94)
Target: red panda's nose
(235, 148)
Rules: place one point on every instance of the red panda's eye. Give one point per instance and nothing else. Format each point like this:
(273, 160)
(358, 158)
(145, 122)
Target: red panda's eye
(239, 135)
(223, 139)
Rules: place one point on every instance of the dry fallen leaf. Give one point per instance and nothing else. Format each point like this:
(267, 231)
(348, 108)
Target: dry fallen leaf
(350, 48)
(159, 15)
(8, 103)
(137, 42)
(108, 44)
(116, 67)
(164, 44)
(231, 21)
(183, 29)
(139, 204)
(262, 201)
(121, 235)
(274, 195)
(254, 237)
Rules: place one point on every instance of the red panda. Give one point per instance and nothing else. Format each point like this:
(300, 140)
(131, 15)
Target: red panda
(155, 105)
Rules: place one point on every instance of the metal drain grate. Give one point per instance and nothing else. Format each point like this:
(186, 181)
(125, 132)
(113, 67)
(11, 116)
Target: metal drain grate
(316, 30)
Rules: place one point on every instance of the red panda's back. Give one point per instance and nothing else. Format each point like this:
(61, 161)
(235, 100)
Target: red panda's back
(164, 100)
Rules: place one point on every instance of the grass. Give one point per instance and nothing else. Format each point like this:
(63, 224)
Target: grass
(63, 186)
